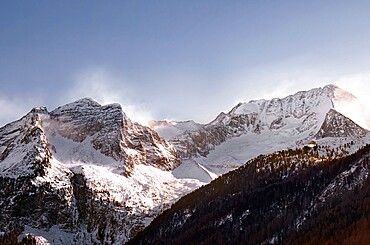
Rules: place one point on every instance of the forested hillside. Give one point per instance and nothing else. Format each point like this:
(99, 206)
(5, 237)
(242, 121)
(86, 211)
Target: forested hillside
(285, 197)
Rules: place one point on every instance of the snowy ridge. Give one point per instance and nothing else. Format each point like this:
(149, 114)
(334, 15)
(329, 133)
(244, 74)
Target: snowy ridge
(263, 126)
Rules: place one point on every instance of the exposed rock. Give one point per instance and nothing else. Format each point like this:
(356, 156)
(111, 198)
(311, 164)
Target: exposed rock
(337, 125)
(112, 133)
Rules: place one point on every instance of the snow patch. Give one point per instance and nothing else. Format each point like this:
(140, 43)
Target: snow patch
(190, 169)
(54, 236)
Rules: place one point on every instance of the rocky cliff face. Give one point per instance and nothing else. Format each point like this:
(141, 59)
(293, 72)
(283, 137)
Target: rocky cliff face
(337, 125)
(84, 173)
(110, 132)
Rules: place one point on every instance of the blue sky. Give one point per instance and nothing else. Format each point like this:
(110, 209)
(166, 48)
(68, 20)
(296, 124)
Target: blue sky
(178, 59)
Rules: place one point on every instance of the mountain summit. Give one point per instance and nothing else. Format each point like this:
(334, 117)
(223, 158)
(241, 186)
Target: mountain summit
(261, 126)
(84, 131)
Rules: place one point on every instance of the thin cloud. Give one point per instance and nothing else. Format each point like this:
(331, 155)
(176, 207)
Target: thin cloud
(358, 84)
(106, 88)
(14, 108)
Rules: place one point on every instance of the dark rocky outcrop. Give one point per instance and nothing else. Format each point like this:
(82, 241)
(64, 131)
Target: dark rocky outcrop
(337, 125)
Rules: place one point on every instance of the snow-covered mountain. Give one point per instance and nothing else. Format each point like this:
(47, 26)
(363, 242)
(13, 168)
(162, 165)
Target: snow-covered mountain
(307, 179)
(264, 126)
(84, 173)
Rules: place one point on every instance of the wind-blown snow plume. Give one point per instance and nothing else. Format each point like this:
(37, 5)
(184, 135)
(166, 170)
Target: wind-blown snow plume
(107, 88)
(359, 85)
(13, 108)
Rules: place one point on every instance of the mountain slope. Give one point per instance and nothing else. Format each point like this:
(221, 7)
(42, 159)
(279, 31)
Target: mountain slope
(268, 200)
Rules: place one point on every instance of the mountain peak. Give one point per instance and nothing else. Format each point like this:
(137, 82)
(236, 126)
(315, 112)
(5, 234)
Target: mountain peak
(87, 105)
(331, 87)
(86, 100)
(316, 100)
(40, 110)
